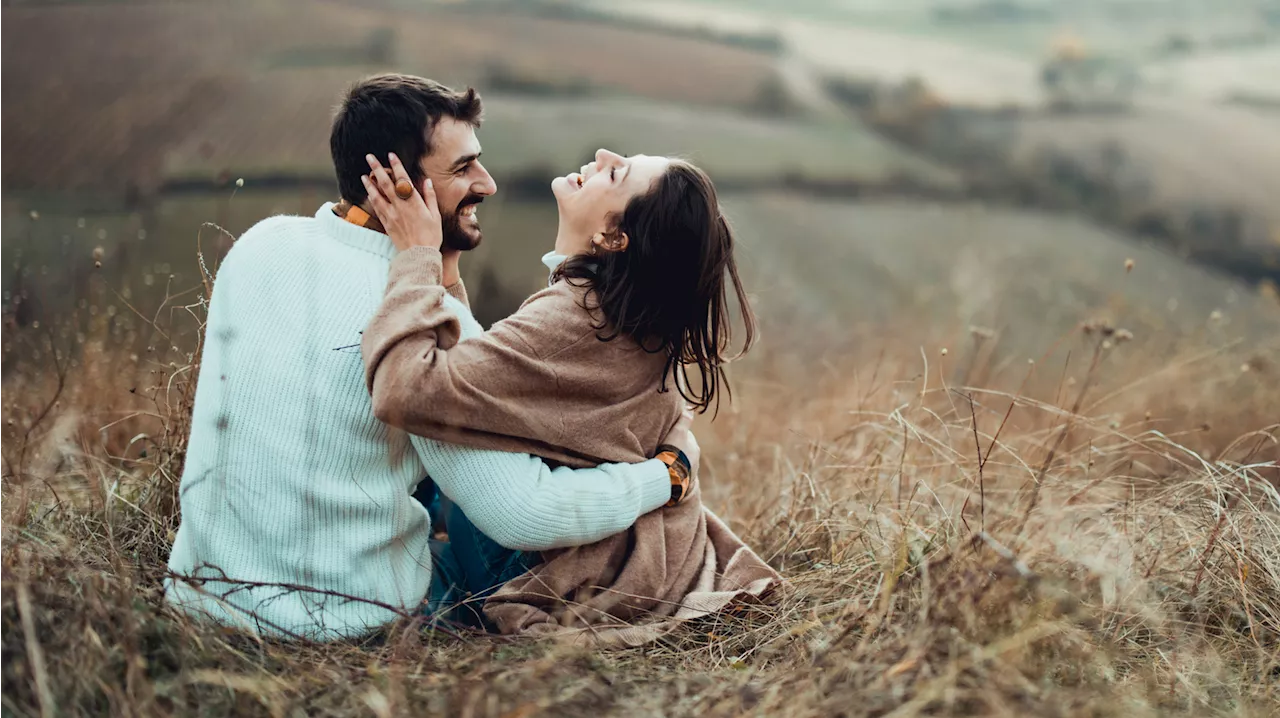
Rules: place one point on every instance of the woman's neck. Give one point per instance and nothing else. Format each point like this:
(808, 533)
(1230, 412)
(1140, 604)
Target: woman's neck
(569, 243)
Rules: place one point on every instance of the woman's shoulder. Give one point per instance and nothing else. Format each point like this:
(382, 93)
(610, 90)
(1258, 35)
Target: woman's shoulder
(551, 319)
(563, 302)
(563, 316)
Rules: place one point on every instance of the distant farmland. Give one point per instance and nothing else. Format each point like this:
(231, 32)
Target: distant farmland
(102, 115)
(539, 137)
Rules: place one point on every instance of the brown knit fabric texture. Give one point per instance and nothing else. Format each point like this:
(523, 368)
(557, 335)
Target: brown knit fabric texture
(541, 382)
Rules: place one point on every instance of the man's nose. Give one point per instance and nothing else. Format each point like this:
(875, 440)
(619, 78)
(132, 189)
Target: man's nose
(485, 186)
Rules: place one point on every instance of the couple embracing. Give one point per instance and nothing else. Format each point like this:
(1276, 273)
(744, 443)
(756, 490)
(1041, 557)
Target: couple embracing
(347, 400)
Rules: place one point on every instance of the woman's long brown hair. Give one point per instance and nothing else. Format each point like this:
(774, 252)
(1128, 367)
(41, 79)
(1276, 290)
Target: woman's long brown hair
(668, 290)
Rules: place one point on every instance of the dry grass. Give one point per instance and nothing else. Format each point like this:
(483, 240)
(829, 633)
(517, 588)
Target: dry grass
(1100, 539)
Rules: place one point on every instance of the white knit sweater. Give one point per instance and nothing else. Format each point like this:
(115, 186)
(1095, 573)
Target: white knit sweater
(289, 479)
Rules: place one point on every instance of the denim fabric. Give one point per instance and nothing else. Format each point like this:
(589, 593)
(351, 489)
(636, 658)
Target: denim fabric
(469, 566)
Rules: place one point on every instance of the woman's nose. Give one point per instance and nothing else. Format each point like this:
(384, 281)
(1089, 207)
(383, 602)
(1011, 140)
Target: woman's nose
(605, 158)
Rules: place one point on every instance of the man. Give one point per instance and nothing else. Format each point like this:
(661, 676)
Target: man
(297, 518)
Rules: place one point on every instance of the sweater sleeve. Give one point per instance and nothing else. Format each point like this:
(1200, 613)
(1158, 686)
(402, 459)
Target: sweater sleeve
(421, 377)
(458, 291)
(517, 501)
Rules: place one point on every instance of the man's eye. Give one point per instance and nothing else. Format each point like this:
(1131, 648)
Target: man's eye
(463, 169)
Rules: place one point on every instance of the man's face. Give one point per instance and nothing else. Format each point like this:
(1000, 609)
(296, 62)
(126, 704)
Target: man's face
(460, 181)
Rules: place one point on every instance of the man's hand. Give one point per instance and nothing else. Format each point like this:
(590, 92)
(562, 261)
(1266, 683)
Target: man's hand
(411, 222)
(681, 436)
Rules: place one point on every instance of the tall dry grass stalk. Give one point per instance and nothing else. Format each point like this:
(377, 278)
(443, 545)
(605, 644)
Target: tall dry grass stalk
(1095, 533)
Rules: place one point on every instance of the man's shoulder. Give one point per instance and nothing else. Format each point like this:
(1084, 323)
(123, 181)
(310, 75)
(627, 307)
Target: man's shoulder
(276, 231)
(277, 244)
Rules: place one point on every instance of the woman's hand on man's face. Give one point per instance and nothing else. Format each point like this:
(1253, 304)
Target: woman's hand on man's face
(411, 222)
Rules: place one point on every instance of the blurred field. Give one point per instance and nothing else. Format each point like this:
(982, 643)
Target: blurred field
(553, 136)
(1091, 535)
(1030, 277)
(151, 73)
(1159, 144)
(1013, 461)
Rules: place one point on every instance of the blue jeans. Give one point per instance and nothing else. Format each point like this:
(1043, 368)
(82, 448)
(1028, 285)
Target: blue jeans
(468, 567)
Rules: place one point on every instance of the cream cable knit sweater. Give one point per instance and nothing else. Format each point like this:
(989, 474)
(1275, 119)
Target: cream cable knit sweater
(289, 479)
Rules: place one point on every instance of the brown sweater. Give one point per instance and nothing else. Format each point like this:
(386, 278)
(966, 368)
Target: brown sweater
(542, 382)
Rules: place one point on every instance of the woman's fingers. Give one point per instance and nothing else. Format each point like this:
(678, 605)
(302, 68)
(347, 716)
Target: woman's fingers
(381, 177)
(381, 207)
(398, 172)
(429, 196)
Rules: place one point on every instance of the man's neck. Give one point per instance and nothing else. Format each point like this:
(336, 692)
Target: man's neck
(452, 271)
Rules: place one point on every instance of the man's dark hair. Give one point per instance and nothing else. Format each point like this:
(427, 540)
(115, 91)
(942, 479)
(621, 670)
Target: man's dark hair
(669, 290)
(392, 113)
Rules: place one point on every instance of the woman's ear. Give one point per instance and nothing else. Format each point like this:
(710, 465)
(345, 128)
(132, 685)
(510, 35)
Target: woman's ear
(611, 242)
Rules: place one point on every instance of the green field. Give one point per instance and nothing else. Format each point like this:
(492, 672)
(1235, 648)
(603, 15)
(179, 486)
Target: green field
(556, 135)
(532, 133)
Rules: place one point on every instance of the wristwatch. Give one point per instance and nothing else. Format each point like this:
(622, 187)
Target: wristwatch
(680, 471)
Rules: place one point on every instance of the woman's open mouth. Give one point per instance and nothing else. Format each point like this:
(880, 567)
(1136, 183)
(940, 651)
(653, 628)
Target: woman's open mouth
(575, 180)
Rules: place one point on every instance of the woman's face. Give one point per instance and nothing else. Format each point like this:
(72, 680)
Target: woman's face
(602, 189)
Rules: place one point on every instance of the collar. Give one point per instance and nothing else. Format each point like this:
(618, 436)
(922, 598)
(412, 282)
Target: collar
(552, 261)
(352, 234)
(357, 216)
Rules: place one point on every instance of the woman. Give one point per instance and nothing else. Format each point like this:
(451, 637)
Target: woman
(596, 368)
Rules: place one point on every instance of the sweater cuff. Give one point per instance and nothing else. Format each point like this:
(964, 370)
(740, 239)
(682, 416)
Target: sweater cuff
(459, 292)
(418, 265)
(656, 491)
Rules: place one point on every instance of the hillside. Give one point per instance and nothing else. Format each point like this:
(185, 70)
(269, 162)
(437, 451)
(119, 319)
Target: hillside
(101, 115)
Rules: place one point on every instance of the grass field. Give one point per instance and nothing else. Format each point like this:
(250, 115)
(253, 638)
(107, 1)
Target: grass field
(1010, 463)
(1094, 534)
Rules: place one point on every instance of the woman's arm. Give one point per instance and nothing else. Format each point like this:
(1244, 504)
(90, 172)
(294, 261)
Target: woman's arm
(421, 377)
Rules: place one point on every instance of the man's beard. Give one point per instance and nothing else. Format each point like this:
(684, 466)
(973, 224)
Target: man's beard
(455, 237)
